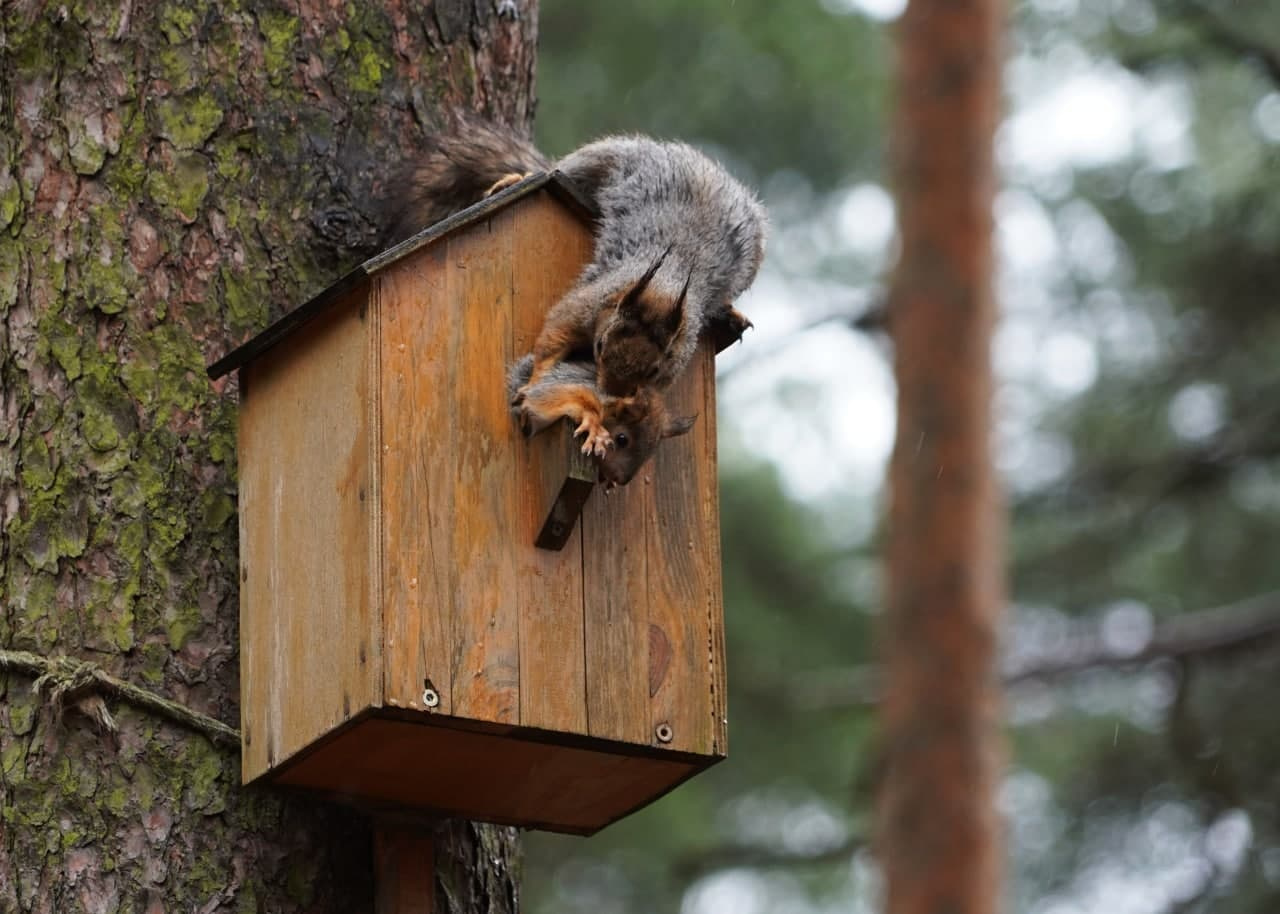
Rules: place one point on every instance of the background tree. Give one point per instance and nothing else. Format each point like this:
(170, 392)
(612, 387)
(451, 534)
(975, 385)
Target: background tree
(938, 834)
(1136, 362)
(172, 175)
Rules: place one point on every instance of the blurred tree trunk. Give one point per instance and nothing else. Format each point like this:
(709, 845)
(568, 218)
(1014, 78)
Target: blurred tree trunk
(939, 835)
(171, 175)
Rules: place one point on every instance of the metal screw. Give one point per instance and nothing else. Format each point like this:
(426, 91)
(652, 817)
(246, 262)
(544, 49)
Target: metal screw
(430, 698)
(664, 733)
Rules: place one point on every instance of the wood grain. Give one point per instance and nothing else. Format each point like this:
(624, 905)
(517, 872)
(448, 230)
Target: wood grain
(683, 566)
(551, 247)
(486, 650)
(420, 351)
(709, 505)
(616, 609)
(309, 647)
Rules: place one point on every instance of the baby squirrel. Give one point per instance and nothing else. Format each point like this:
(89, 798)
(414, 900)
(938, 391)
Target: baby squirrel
(677, 241)
(622, 432)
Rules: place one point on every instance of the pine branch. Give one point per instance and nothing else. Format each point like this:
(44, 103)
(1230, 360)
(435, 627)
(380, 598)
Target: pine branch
(1236, 43)
(1202, 633)
(751, 856)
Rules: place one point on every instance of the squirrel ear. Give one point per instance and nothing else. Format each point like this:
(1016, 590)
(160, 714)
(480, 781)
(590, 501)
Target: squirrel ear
(677, 427)
(632, 299)
(675, 320)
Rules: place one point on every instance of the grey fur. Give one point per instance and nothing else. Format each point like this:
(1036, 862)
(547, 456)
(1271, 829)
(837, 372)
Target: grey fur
(653, 197)
(657, 197)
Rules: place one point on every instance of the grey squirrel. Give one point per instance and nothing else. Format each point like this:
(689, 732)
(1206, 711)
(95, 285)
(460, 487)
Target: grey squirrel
(677, 241)
(622, 432)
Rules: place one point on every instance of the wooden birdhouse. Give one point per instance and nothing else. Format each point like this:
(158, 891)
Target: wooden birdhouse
(404, 644)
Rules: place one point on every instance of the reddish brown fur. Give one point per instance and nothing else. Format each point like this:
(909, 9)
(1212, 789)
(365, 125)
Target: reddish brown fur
(623, 432)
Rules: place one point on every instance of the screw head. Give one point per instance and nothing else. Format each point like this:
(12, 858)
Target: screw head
(663, 732)
(431, 698)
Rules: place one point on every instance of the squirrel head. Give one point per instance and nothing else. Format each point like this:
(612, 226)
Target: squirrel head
(633, 341)
(637, 424)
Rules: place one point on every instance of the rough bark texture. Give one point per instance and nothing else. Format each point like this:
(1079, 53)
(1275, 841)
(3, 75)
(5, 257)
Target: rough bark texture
(939, 832)
(172, 175)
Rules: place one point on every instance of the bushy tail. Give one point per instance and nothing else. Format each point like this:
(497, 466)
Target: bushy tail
(452, 171)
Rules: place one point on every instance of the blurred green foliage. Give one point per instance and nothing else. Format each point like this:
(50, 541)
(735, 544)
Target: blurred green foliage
(1160, 494)
(774, 87)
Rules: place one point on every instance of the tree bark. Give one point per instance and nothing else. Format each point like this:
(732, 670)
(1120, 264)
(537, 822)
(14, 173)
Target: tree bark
(938, 829)
(172, 175)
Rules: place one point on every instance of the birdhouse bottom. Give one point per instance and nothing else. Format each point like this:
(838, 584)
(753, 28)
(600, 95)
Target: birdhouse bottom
(510, 775)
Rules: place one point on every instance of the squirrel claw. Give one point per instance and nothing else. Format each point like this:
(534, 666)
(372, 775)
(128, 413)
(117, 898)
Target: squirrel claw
(597, 441)
(738, 322)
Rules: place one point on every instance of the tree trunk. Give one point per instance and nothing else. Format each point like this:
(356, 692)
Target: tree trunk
(939, 833)
(173, 173)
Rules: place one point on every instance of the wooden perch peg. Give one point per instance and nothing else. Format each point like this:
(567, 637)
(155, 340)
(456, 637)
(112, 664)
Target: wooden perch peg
(580, 479)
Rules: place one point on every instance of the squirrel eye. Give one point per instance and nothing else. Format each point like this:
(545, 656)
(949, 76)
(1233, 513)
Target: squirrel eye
(621, 439)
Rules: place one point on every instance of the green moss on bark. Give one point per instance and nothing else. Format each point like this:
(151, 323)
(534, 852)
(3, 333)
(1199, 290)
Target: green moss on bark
(187, 121)
(181, 190)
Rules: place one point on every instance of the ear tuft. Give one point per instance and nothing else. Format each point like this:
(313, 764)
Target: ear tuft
(631, 301)
(677, 427)
(675, 320)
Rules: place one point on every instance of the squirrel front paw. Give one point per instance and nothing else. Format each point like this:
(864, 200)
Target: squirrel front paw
(524, 418)
(597, 441)
(738, 322)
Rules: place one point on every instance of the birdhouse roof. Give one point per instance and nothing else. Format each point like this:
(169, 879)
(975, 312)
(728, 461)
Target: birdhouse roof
(556, 183)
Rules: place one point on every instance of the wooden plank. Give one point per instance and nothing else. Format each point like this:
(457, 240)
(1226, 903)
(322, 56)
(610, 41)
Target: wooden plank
(551, 247)
(683, 565)
(709, 505)
(404, 871)
(486, 649)
(616, 609)
(420, 353)
(310, 656)
(403, 766)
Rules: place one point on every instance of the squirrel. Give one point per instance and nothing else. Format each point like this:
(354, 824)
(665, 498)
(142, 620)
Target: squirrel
(677, 241)
(622, 432)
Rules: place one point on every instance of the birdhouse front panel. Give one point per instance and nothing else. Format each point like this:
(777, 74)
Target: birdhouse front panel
(390, 553)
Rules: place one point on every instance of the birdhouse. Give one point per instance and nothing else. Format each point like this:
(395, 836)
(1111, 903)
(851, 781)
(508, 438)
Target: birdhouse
(404, 643)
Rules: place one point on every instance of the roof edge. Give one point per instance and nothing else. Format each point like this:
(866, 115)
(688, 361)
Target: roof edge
(554, 182)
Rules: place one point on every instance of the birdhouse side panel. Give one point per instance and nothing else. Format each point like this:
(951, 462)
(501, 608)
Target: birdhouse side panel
(310, 657)
(686, 616)
(551, 246)
(615, 582)
(651, 577)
